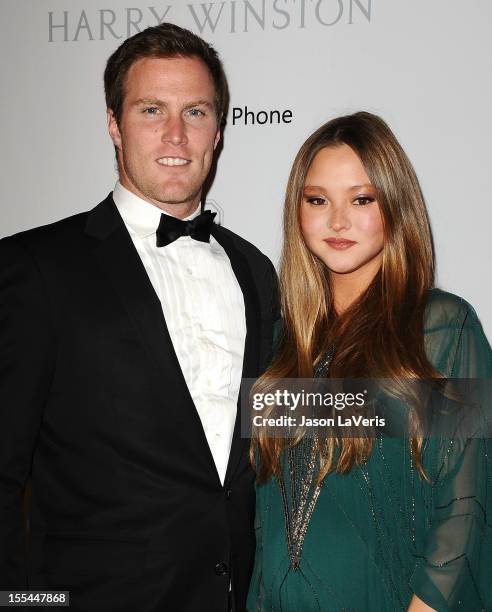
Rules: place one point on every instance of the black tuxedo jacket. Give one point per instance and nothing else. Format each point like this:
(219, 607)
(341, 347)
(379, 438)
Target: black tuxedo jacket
(127, 509)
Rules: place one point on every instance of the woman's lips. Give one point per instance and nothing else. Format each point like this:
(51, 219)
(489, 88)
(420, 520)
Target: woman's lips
(339, 243)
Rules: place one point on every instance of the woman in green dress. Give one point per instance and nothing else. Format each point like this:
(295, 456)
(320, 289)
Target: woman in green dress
(385, 523)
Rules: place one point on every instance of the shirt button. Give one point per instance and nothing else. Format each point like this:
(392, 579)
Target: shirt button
(189, 270)
(221, 569)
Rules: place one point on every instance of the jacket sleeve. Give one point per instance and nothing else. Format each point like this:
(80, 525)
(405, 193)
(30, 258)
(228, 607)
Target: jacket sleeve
(27, 355)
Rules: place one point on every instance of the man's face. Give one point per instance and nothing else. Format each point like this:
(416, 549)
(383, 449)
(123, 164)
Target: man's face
(167, 132)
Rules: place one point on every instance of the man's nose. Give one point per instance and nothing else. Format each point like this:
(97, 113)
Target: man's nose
(175, 131)
(339, 218)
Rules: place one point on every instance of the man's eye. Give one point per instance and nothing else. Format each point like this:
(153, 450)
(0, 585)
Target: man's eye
(196, 112)
(317, 201)
(363, 200)
(151, 110)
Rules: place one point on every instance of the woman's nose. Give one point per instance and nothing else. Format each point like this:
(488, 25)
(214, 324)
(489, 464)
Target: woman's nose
(339, 218)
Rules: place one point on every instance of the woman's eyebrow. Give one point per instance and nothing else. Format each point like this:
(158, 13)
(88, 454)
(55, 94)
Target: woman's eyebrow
(314, 188)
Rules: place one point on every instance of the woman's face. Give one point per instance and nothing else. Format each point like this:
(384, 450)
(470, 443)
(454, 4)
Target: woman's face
(340, 217)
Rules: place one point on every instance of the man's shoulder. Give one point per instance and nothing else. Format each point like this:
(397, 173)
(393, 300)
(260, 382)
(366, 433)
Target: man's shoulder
(68, 225)
(60, 234)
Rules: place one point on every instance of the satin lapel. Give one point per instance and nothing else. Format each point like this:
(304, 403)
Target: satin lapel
(242, 270)
(118, 257)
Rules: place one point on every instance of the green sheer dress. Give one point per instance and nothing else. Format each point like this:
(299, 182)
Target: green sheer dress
(372, 538)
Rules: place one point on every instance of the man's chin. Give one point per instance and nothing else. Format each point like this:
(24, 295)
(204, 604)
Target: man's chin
(173, 197)
(168, 195)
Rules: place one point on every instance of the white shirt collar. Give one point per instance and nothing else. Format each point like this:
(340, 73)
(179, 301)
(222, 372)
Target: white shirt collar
(141, 216)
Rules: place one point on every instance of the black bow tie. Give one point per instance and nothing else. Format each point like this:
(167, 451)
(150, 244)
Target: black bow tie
(170, 228)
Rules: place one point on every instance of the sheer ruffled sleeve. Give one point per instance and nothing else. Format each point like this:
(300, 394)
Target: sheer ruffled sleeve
(454, 566)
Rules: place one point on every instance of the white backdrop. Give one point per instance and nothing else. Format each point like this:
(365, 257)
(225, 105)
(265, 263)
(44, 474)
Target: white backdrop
(425, 66)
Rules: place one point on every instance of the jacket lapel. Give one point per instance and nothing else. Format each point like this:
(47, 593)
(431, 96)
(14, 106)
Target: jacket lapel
(251, 359)
(124, 269)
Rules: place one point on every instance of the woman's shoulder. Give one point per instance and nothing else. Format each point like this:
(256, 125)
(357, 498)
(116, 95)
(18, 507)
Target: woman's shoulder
(454, 338)
(445, 310)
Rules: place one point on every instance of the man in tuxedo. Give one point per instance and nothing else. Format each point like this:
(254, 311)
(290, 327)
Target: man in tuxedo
(124, 334)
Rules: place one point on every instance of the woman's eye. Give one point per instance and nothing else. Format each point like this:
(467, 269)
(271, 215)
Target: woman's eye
(316, 201)
(363, 200)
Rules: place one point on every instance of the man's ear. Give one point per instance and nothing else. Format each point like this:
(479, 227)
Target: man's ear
(113, 129)
(217, 138)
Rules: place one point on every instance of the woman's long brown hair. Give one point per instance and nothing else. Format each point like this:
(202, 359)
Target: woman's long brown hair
(381, 334)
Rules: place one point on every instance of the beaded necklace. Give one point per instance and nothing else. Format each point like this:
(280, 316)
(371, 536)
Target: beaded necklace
(302, 461)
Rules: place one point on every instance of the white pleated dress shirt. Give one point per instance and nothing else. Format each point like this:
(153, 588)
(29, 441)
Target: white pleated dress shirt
(203, 306)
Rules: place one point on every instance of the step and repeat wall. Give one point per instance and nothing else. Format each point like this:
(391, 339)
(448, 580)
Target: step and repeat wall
(424, 66)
